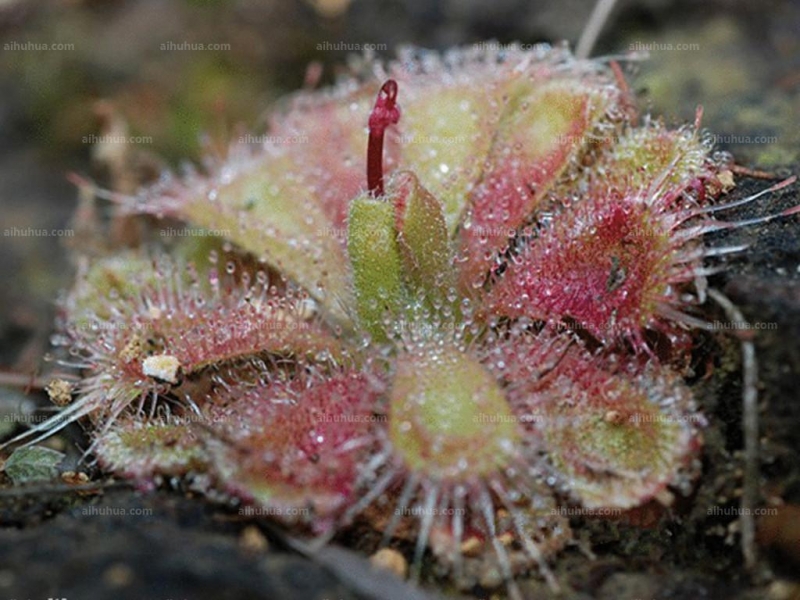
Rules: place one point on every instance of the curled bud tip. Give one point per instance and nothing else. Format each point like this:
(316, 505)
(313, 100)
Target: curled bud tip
(386, 112)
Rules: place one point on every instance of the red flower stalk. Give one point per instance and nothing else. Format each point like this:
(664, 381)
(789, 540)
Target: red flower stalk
(386, 112)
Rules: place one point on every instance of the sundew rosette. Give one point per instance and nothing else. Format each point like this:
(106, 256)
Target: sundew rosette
(446, 341)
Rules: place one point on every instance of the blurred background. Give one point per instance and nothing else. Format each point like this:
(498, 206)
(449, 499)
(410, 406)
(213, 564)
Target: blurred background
(120, 91)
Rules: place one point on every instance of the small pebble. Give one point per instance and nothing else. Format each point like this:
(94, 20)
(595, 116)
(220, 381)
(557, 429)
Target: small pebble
(726, 179)
(506, 538)
(73, 478)
(118, 575)
(6, 578)
(60, 392)
(783, 590)
(56, 443)
(471, 546)
(162, 366)
(252, 540)
(665, 498)
(390, 560)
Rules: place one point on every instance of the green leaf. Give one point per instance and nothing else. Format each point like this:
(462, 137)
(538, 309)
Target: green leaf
(546, 125)
(422, 236)
(377, 264)
(644, 154)
(34, 463)
(141, 450)
(618, 439)
(447, 133)
(270, 210)
(439, 402)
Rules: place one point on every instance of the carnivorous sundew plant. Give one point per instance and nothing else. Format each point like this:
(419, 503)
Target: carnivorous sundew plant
(447, 347)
